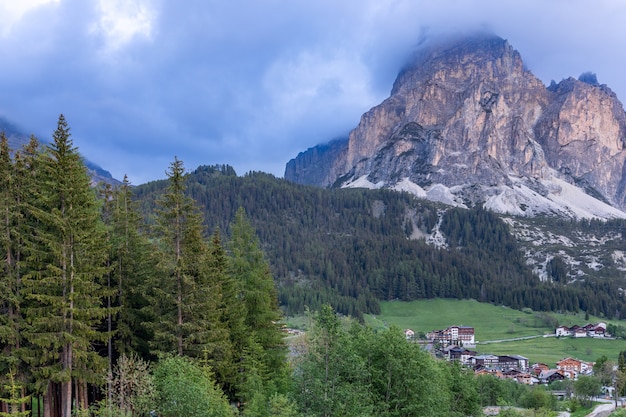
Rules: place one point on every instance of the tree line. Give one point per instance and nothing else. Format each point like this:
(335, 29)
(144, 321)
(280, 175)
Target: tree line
(90, 294)
(351, 248)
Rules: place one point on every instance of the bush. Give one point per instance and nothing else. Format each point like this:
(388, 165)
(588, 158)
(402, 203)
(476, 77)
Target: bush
(186, 389)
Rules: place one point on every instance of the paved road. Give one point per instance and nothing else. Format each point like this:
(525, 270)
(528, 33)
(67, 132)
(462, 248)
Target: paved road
(513, 339)
(602, 410)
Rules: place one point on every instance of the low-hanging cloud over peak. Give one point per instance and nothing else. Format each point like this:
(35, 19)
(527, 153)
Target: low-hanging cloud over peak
(252, 84)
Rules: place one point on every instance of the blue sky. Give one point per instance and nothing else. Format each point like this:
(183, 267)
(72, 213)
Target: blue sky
(253, 83)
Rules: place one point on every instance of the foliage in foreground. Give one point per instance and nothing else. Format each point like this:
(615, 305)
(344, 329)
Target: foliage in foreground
(84, 284)
(186, 389)
(352, 370)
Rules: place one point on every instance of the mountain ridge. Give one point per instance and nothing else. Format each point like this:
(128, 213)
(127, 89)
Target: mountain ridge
(466, 120)
(17, 139)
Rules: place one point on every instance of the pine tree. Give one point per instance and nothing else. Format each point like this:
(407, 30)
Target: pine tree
(186, 309)
(66, 258)
(250, 268)
(234, 339)
(11, 320)
(132, 264)
(15, 401)
(218, 353)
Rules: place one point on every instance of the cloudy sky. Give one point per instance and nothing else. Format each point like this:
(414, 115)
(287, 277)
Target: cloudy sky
(252, 83)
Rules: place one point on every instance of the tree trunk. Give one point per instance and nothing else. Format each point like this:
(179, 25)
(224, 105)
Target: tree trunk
(47, 401)
(179, 285)
(84, 394)
(66, 386)
(80, 395)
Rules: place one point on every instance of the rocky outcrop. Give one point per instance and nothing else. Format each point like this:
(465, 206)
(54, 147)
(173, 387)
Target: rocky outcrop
(467, 115)
(312, 166)
(582, 133)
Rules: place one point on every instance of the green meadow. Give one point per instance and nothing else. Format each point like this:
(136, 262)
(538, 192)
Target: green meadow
(497, 323)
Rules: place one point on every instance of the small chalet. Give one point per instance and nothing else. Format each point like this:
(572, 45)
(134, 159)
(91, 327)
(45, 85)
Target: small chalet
(538, 367)
(409, 334)
(595, 330)
(562, 331)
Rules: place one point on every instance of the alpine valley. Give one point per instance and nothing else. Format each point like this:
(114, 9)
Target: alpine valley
(472, 180)
(469, 126)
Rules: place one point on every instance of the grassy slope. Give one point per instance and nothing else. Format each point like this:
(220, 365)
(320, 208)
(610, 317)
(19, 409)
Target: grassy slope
(493, 323)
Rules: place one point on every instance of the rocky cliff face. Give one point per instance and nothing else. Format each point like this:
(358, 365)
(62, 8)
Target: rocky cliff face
(468, 118)
(312, 166)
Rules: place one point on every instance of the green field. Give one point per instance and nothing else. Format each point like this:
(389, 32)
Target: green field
(551, 350)
(495, 323)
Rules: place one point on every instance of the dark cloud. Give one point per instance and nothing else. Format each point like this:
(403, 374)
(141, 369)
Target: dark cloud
(252, 84)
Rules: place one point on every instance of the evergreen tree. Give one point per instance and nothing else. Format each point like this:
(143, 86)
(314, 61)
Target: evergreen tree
(250, 268)
(66, 258)
(230, 335)
(132, 265)
(11, 319)
(16, 401)
(186, 305)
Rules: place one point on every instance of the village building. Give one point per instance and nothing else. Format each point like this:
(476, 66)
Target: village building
(459, 354)
(588, 330)
(453, 335)
(550, 375)
(409, 334)
(520, 377)
(562, 331)
(513, 361)
(484, 361)
(492, 372)
(538, 367)
(574, 365)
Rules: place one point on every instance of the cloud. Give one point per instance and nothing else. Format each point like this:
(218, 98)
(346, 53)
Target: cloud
(252, 84)
(120, 21)
(12, 12)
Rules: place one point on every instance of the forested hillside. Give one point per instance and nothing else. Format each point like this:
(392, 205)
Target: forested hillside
(351, 247)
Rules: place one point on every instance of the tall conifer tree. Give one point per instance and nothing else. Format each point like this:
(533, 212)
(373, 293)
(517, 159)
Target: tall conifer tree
(11, 319)
(132, 264)
(232, 339)
(66, 260)
(262, 316)
(186, 307)
(9, 294)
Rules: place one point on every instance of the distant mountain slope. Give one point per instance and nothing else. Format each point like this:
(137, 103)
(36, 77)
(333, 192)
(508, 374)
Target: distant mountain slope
(17, 139)
(467, 124)
(353, 247)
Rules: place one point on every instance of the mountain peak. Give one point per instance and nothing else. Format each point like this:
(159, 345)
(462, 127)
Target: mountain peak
(465, 116)
(435, 54)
